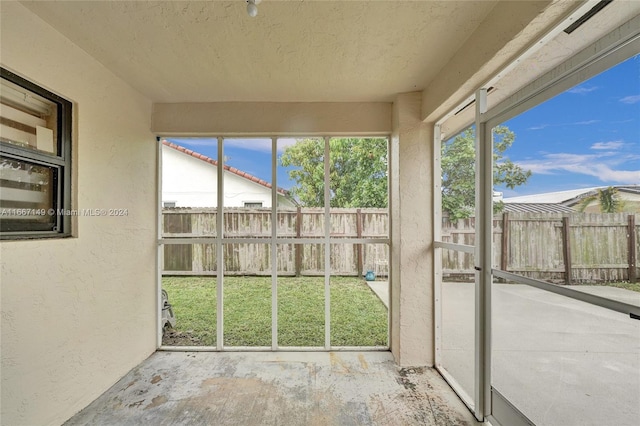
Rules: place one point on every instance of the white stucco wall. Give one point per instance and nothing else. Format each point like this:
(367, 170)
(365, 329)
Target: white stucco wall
(412, 305)
(192, 182)
(78, 313)
(187, 181)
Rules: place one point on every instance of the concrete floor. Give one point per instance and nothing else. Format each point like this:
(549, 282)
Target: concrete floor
(560, 361)
(276, 388)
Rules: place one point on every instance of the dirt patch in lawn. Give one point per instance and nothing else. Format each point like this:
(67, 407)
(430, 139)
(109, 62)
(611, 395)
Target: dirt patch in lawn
(180, 338)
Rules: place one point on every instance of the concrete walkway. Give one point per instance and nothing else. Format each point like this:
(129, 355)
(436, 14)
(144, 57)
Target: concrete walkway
(560, 361)
(276, 388)
(381, 289)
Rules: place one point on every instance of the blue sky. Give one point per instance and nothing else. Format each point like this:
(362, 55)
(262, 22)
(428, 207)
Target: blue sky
(252, 156)
(587, 136)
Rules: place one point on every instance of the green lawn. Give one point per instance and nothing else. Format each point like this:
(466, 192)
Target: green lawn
(625, 285)
(358, 317)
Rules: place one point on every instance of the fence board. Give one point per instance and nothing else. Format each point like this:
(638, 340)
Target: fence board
(600, 241)
(601, 245)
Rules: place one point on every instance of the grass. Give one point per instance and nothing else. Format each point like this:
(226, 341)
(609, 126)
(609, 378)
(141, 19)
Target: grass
(625, 285)
(621, 284)
(358, 317)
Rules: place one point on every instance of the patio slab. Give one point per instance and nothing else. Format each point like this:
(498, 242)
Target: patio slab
(276, 388)
(558, 360)
(381, 289)
(614, 293)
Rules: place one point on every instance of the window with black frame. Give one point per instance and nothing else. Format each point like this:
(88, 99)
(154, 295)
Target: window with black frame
(35, 160)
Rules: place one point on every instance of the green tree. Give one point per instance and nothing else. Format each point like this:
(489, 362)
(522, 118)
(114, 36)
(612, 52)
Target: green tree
(458, 171)
(608, 199)
(357, 171)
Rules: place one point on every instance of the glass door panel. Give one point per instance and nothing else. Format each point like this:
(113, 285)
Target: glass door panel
(301, 302)
(247, 295)
(189, 270)
(458, 320)
(561, 361)
(359, 288)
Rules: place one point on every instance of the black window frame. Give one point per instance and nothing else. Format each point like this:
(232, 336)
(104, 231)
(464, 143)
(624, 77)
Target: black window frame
(60, 162)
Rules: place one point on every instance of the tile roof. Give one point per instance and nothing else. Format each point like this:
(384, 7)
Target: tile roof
(227, 168)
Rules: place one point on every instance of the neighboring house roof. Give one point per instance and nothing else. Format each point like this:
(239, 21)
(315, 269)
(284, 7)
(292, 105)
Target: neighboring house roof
(227, 168)
(537, 208)
(567, 198)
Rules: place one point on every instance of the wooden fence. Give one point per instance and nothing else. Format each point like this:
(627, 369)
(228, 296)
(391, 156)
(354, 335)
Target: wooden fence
(292, 259)
(577, 247)
(563, 248)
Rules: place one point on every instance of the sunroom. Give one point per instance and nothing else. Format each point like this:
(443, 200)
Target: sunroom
(92, 92)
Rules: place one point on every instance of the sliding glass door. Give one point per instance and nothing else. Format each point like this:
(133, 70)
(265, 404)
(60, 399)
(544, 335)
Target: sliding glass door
(537, 295)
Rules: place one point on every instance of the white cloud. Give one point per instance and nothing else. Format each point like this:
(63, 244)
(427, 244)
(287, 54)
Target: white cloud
(252, 144)
(575, 123)
(194, 141)
(622, 121)
(601, 165)
(260, 145)
(582, 90)
(582, 123)
(539, 127)
(634, 99)
(608, 175)
(285, 142)
(608, 145)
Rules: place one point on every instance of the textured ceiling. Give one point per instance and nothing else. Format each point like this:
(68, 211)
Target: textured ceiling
(211, 51)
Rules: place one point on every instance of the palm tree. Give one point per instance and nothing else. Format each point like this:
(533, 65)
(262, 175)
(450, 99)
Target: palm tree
(608, 199)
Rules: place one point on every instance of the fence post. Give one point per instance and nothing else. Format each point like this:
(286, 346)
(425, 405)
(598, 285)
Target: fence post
(566, 249)
(298, 247)
(359, 246)
(504, 256)
(632, 248)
